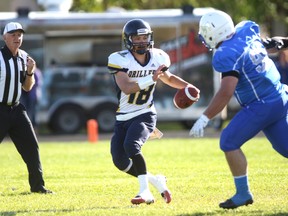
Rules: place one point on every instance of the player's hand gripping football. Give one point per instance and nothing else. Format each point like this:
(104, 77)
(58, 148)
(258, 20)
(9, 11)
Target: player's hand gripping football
(198, 128)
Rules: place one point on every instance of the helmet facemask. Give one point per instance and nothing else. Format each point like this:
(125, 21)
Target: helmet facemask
(142, 47)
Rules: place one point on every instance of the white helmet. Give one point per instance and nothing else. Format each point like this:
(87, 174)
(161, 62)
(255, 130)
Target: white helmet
(215, 27)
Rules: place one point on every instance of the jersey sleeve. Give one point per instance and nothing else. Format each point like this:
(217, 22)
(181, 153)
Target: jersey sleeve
(229, 56)
(162, 57)
(118, 62)
(224, 63)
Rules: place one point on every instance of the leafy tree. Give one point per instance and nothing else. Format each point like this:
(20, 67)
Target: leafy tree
(265, 12)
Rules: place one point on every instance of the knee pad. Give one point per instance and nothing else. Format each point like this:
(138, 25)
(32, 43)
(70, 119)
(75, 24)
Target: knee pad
(122, 163)
(132, 149)
(224, 147)
(227, 144)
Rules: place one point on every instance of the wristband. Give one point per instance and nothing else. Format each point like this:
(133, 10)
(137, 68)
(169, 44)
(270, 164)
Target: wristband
(143, 83)
(30, 74)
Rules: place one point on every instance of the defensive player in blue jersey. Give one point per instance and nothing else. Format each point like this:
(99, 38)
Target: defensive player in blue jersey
(249, 74)
(136, 71)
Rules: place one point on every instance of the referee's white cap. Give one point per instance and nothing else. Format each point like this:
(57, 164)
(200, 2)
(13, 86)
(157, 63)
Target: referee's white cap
(12, 27)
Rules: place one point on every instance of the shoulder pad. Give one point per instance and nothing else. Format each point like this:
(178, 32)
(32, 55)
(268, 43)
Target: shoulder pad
(161, 57)
(118, 61)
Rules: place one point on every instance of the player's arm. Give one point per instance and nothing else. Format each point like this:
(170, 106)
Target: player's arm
(29, 78)
(168, 78)
(174, 81)
(117, 65)
(223, 95)
(129, 86)
(126, 85)
(218, 102)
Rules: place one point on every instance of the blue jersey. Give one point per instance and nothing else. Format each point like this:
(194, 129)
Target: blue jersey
(259, 79)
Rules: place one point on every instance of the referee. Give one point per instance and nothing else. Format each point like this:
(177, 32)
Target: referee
(16, 72)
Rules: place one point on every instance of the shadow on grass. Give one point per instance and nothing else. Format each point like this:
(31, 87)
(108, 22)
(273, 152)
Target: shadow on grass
(228, 212)
(233, 212)
(8, 213)
(12, 213)
(22, 194)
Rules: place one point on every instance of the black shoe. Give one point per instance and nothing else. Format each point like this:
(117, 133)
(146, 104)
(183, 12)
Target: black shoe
(229, 204)
(42, 190)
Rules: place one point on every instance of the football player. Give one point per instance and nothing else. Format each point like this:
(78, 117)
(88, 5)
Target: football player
(136, 71)
(249, 74)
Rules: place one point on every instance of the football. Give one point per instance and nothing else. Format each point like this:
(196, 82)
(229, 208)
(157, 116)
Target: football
(185, 97)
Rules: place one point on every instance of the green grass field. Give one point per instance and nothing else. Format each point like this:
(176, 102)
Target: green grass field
(87, 183)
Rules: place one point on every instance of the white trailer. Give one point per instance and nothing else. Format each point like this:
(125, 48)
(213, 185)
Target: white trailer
(72, 48)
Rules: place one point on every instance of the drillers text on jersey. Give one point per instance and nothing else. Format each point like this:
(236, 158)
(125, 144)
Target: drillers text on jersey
(140, 73)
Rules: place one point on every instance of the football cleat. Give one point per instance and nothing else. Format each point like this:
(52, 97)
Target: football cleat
(143, 197)
(229, 204)
(160, 185)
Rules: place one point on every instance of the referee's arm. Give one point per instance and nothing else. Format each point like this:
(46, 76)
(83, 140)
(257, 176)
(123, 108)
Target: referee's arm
(29, 78)
(28, 83)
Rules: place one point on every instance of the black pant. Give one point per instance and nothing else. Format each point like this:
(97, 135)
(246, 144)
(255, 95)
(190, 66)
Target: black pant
(15, 122)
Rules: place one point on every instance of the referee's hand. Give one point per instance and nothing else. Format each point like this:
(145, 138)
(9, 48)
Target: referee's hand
(31, 64)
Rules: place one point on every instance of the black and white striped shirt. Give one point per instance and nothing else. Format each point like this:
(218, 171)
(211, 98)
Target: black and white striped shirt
(12, 75)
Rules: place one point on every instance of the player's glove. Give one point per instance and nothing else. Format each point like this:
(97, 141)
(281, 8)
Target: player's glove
(198, 128)
(274, 42)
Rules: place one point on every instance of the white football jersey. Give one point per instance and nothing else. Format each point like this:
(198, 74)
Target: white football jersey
(142, 101)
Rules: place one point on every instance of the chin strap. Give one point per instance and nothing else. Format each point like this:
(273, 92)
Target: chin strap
(141, 51)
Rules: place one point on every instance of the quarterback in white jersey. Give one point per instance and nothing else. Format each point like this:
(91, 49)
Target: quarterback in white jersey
(139, 102)
(136, 71)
